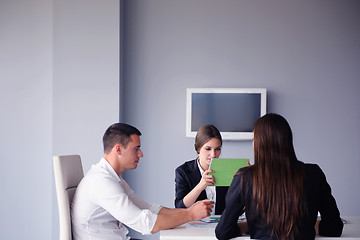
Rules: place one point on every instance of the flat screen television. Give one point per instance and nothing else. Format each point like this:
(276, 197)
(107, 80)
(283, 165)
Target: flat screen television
(232, 110)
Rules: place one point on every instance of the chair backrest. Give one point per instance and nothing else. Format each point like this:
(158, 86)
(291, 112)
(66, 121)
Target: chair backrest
(68, 173)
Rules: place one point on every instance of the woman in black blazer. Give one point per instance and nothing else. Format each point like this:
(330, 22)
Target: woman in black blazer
(280, 195)
(192, 179)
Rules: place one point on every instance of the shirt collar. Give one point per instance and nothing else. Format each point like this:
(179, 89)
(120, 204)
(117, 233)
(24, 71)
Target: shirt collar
(198, 163)
(106, 165)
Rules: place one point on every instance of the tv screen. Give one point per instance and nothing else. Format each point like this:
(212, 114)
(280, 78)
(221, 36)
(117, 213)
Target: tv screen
(232, 110)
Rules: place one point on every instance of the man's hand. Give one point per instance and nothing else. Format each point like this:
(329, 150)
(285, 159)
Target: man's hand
(243, 227)
(317, 227)
(201, 209)
(170, 217)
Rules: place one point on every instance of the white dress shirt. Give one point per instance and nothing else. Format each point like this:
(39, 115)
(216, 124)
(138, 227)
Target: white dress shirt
(210, 190)
(104, 203)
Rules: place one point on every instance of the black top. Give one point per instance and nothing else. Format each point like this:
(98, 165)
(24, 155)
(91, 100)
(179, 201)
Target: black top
(187, 176)
(318, 197)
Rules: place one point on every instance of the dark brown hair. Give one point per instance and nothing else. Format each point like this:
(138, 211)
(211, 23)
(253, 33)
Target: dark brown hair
(204, 134)
(277, 177)
(118, 133)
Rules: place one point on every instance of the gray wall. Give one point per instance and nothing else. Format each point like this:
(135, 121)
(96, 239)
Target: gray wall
(86, 57)
(59, 90)
(25, 123)
(306, 53)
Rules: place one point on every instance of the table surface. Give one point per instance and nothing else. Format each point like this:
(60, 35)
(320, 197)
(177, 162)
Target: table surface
(201, 231)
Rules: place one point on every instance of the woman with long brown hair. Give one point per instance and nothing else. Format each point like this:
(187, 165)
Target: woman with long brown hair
(280, 195)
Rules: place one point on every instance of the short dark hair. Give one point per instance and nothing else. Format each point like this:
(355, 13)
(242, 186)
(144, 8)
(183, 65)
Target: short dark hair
(118, 133)
(204, 134)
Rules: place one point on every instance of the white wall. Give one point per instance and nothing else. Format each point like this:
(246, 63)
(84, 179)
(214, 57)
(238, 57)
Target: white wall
(59, 90)
(25, 123)
(306, 53)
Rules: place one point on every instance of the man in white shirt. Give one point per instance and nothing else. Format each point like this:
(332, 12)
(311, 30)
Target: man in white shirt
(104, 202)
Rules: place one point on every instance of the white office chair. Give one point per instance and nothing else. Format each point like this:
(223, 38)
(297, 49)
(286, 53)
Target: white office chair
(68, 173)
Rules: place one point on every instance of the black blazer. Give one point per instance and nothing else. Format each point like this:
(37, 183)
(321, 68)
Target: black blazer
(187, 176)
(317, 197)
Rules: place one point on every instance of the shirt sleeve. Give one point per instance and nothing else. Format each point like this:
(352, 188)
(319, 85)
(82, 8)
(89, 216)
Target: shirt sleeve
(155, 208)
(227, 227)
(182, 187)
(330, 224)
(121, 202)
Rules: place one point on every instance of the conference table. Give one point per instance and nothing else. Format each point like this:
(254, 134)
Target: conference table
(202, 230)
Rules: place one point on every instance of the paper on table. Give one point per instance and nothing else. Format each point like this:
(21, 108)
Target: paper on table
(225, 169)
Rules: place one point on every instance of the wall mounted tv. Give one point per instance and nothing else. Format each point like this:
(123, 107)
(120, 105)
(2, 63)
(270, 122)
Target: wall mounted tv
(232, 110)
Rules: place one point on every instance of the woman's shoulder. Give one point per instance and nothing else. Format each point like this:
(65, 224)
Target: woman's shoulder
(314, 172)
(188, 165)
(312, 168)
(245, 172)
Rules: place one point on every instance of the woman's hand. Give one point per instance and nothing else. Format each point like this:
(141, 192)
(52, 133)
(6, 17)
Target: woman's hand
(207, 179)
